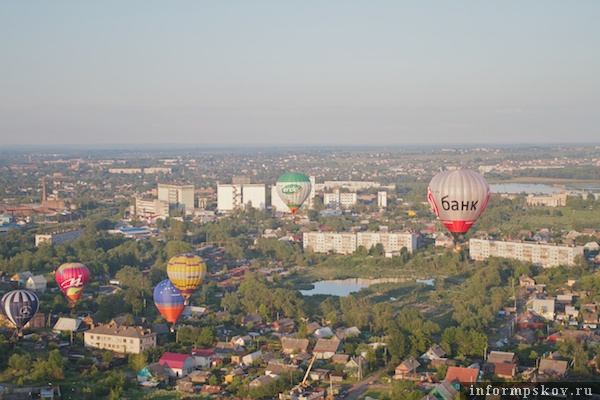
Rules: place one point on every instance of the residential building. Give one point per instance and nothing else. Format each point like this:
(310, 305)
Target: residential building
(553, 369)
(58, 237)
(526, 282)
(149, 207)
(352, 185)
(391, 241)
(502, 364)
(177, 195)
(347, 242)
(203, 358)
(435, 352)
(545, 255)
(553, 200)
(240, 195)
(177, 365)
(293, 346)
(20, 278)
(462, 375)
(382, 200)
(544, 308)
(442, 391)
(326, 348)
(69, 325)
(338, 200)
(407, 368)
(36, 283)
(119, 338)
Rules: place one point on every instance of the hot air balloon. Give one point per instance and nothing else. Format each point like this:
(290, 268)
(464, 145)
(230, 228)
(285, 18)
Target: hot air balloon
(293, 188)
(20, 306)
(169, 301)
(72, 278)
(186, 272)
(458, 198)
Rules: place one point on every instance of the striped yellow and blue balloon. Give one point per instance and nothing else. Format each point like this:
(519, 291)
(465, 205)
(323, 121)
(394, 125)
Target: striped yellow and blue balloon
(186, 272)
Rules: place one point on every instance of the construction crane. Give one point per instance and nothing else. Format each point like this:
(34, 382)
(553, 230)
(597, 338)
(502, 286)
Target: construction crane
(303, 383)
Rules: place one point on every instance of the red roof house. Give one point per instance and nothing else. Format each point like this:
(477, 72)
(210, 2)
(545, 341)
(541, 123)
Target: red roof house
(177, 365)
(463, 375)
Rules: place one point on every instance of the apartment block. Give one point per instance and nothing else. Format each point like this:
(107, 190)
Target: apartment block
(391, 241)
(347, 243)
(553, 200)
(58, 237)
(546, 255)
(120, 338)
(239, 195)
(339, 199)
(176, 195)
(150, 207)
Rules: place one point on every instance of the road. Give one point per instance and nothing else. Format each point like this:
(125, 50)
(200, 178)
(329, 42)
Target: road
(370, 382)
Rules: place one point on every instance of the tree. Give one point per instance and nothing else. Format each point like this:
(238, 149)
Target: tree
(19, 362)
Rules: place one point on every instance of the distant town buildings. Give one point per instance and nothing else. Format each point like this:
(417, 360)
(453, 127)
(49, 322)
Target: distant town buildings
(153, 170)
(347, 242)
(546, 255)
(353, 186)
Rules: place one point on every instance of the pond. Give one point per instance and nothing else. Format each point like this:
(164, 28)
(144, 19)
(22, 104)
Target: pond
(343, 287)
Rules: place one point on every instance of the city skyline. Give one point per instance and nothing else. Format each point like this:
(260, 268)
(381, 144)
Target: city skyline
(291, 74)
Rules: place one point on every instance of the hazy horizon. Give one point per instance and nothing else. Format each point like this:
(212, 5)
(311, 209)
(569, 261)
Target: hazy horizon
(340, 73)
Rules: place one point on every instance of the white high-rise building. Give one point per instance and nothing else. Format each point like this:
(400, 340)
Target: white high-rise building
(546, 255)
(382, 200)
(254, 194)
(234, 196)
(339, 200)
(176, 195)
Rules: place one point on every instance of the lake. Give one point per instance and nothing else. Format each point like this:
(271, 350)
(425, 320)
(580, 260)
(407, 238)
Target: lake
(343, 287)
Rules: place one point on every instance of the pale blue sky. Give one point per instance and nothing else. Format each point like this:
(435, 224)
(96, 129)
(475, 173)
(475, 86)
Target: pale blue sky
(299, 72)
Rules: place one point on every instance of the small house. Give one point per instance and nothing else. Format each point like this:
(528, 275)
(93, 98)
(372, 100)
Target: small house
(407, 368)
(327, 348)
(177, 365)
(36, 283)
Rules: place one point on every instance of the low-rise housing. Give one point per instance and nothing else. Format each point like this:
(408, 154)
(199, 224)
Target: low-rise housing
(553, 369)
(326, 348)
(407, 368)
(177, 365)
(36, 283)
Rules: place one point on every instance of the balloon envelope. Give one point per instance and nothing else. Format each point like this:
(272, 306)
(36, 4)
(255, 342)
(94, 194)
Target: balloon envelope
(293, 188)
(72, 278)
(186, 272)
(20, 306)
(169, 301)
(458, 198)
